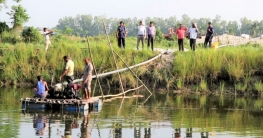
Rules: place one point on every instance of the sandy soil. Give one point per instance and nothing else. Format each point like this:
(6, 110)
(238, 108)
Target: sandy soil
(230, 39)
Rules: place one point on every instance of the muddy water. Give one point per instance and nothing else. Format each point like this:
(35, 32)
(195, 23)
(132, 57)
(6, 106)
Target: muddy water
(159, 116)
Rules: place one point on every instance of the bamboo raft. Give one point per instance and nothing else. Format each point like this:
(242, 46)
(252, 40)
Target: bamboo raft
(62, 104)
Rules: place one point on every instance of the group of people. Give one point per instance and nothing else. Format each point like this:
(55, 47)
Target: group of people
(143, 33)
(41, 89)
(149, 33)
(192, 34)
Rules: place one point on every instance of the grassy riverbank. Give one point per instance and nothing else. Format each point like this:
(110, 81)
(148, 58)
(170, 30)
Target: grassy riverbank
(22, 62)
(231, 69)
(239, 69)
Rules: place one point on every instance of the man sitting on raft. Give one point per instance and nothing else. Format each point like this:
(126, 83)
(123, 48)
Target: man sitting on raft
(41, 88)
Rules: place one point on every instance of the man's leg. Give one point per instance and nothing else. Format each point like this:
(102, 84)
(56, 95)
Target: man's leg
(69, 79)
(179, 44)
(191, 44)
(210, 41)
(194, 44)
(138, 42)
(46, 45)
(123, 43)
(206, 41)
(142, 38)
(89, 87)
(153, 37)
(149, 37)
(119, 42)
(182, 44)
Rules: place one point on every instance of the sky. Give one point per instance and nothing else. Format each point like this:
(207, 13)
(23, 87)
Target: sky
(46, 13)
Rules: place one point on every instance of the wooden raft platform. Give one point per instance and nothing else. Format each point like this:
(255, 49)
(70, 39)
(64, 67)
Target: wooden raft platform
(62, 104)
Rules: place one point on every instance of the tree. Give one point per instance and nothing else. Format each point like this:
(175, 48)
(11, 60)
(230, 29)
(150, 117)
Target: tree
(254, 29)
(68, 31)
(3, 27)
(19, 16)
(31, 34)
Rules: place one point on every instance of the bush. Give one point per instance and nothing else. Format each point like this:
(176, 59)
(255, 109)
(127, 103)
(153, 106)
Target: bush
(3, 27)
(31, 34)
(10, 37)
(159, 36)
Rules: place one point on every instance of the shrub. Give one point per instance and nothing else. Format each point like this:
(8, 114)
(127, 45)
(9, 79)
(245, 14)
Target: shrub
(31, 34)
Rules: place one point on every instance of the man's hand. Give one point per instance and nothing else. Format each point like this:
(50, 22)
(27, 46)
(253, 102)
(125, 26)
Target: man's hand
(85, 81)
(60, 78)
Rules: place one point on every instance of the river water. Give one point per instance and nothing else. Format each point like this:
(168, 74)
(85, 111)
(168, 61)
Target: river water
(158, 116)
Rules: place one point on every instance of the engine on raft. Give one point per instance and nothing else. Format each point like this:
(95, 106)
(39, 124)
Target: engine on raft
(64, 91)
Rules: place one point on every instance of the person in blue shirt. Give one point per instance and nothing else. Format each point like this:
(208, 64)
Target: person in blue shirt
(41, 88)
(209, 35)
(121, 34)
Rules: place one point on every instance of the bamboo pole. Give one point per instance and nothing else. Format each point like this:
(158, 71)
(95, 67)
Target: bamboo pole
(120, 93)
(123, 60)
(91, 56)
(113, 56)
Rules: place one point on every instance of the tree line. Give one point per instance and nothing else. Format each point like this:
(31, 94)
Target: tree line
(82, 25)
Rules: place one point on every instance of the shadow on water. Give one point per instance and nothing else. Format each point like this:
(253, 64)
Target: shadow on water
(157, 116)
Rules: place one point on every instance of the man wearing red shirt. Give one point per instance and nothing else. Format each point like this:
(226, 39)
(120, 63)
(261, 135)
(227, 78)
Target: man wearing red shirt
(180, 32)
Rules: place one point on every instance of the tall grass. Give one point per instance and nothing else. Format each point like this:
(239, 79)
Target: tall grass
(22, 62)
(231, 64)
(259, 87)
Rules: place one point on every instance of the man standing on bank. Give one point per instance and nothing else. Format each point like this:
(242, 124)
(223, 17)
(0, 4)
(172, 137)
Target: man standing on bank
(46, 35)
(151, 31)
(121, 34)
(69, 70)
(193, 35)
(141, 34)
(87, 77)
(180, 32)
(209, 35)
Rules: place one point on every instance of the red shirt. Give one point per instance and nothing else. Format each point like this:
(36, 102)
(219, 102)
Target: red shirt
(181, 32)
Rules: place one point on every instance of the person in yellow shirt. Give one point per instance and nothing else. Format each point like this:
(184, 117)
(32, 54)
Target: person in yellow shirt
(69, 70)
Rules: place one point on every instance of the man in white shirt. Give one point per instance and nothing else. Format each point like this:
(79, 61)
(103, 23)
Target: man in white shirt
(193, 35)
(46, 35)
(141, 35)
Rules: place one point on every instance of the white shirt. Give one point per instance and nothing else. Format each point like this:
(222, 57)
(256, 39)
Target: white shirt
(141, 30)
(46, 36)
(193, 33)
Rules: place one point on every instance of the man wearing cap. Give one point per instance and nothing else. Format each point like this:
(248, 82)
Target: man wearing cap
(69, 70)
(209, 35)
(180, 32)
(121, 34)
(87, 77)
(141, 34)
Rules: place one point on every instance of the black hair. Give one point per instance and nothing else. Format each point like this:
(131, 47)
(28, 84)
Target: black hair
(140, 22)
(65, 57)
(39, 77)
(151, 22)
(121, 22)
(44, 28)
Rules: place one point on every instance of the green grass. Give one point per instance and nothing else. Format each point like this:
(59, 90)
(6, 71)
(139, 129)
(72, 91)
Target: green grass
(229, 64)
(22, 62)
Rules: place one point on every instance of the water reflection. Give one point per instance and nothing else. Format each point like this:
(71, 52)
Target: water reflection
(39, 123)
(160, 116)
